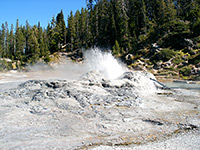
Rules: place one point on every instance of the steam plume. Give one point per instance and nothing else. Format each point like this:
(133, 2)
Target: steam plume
(94, 59)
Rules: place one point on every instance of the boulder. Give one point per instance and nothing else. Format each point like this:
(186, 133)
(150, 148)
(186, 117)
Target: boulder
(195, 71)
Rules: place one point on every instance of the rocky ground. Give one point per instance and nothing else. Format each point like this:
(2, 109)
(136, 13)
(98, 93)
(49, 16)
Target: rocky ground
(95, 113)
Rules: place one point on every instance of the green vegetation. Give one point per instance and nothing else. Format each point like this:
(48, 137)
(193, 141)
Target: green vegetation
(5, 65)
(185, 71)
(126, 27)
(195, 60)
(164, 55)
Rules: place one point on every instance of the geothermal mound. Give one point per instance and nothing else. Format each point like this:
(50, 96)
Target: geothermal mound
(92, 90)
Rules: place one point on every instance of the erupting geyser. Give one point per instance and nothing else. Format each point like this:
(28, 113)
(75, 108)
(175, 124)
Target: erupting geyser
(95, 59)
(112, 69)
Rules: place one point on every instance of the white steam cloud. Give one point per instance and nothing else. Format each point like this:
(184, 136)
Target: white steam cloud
(94, 59)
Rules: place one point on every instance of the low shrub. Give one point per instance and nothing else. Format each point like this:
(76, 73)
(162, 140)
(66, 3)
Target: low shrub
(195, 60)
(164, 55)
(177, 60)
(185, 71)
(4, 66)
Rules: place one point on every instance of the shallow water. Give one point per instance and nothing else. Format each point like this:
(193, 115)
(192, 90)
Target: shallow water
(188, 86)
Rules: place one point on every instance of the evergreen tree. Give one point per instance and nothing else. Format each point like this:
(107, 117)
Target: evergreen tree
(61, 29)
(95, 21)
(133, 18)
(11, 42)
(89, 34)
(46, 51)
(40, 40)
(161, 12)
(20, 42)
(89, 4)
(194, 12)
(7, 45)
(27, 40)
(34, 45)
(104, 27)
(3, 40)
(122, 24)
(113, 30)
(83, 28)
(71, 30)
(171, 11)
(0, 51)
(194, 16)
(0, 45)
(77, 30)
(53, 36)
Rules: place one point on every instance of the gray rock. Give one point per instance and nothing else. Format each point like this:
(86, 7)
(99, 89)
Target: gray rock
(195, 71)
(189, 43)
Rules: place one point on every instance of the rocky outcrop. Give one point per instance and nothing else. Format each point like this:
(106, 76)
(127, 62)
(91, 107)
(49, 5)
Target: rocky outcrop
(91, 89)
(189, 44)
(195, 71)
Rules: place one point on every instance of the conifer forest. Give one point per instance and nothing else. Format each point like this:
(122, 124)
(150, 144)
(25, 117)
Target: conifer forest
(126, 27)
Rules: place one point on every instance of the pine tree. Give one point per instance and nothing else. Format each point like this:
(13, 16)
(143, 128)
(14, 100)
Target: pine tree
(183, 8)
(91, 26)
(150, 9)
(53, 36)
(0, 45)
(104, 21)
(133, 18)
(194, 12)
(7, 45)
(11, 42)
(0, 51)
(170, 11)
(90, 23)
(122, 24)
(113, 30)
(83, 28)
(46, 51)
(27, 40)
(48, 35)
(61, 29)
(194, 16)
(20, 42)
(89, 30)
(40, 40)
(89, 4)
(71, 30)
(34, 45)
(161, 12)
(3, 40)
(77, 29)
(95, 22)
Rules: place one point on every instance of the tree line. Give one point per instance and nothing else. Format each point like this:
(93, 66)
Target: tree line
(120, 25)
